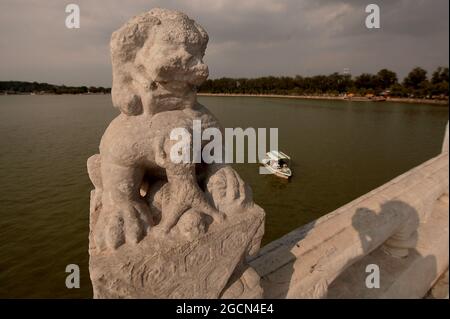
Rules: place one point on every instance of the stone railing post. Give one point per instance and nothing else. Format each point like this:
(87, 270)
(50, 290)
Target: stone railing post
(406, 237)
(159, 228)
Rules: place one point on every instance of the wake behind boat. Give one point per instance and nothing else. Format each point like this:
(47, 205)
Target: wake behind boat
(277, 163)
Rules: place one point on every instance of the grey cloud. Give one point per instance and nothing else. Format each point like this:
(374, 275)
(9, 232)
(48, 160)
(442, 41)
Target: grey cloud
(247, 38)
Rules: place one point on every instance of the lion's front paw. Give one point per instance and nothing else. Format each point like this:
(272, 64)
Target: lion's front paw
(123, 223)
(228, 192)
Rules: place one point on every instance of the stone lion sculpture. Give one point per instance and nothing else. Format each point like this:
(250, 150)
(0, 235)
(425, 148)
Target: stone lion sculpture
(139, 192)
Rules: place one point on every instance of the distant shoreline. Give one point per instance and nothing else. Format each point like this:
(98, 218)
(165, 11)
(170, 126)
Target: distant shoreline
(336, 98)
(301, 97)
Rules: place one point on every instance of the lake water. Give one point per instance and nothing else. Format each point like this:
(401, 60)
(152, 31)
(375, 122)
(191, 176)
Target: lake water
(340, 150)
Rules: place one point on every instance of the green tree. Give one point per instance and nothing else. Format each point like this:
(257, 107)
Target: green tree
(440, 75)
(367, 81)
(386, 78)
(399, 90)
(439, 82)
(415, 78)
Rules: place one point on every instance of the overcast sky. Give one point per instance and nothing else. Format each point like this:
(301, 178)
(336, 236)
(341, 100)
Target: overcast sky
(248, 38)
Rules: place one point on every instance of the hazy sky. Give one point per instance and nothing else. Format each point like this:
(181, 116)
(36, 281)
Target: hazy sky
(248, 38)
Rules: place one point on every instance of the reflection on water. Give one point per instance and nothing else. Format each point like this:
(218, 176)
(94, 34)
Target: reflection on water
(340, 150)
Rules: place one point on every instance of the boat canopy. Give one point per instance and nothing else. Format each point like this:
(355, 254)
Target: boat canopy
(277, 155)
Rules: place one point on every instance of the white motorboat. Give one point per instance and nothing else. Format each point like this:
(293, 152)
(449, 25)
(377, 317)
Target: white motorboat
(277, 163)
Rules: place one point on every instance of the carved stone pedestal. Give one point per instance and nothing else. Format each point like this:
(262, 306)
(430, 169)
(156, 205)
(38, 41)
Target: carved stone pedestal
(161, 227)
(210, 266)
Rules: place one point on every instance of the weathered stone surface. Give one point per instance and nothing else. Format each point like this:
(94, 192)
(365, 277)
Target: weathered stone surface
(161, 229)
(175, 266)
(445, 143)
(402, 226)
(440, 288)
(408, 277)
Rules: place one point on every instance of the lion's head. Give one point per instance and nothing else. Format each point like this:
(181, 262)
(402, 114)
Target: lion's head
(157, 61)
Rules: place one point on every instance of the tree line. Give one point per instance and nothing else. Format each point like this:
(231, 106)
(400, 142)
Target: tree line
(416, 84)
(19, 87)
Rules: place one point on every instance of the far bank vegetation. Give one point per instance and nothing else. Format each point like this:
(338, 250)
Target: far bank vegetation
(417, 84)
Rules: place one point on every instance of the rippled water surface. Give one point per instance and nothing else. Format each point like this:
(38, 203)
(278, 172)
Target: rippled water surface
(340, 150)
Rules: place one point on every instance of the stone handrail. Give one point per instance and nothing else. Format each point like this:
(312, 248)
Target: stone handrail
(307, 262)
